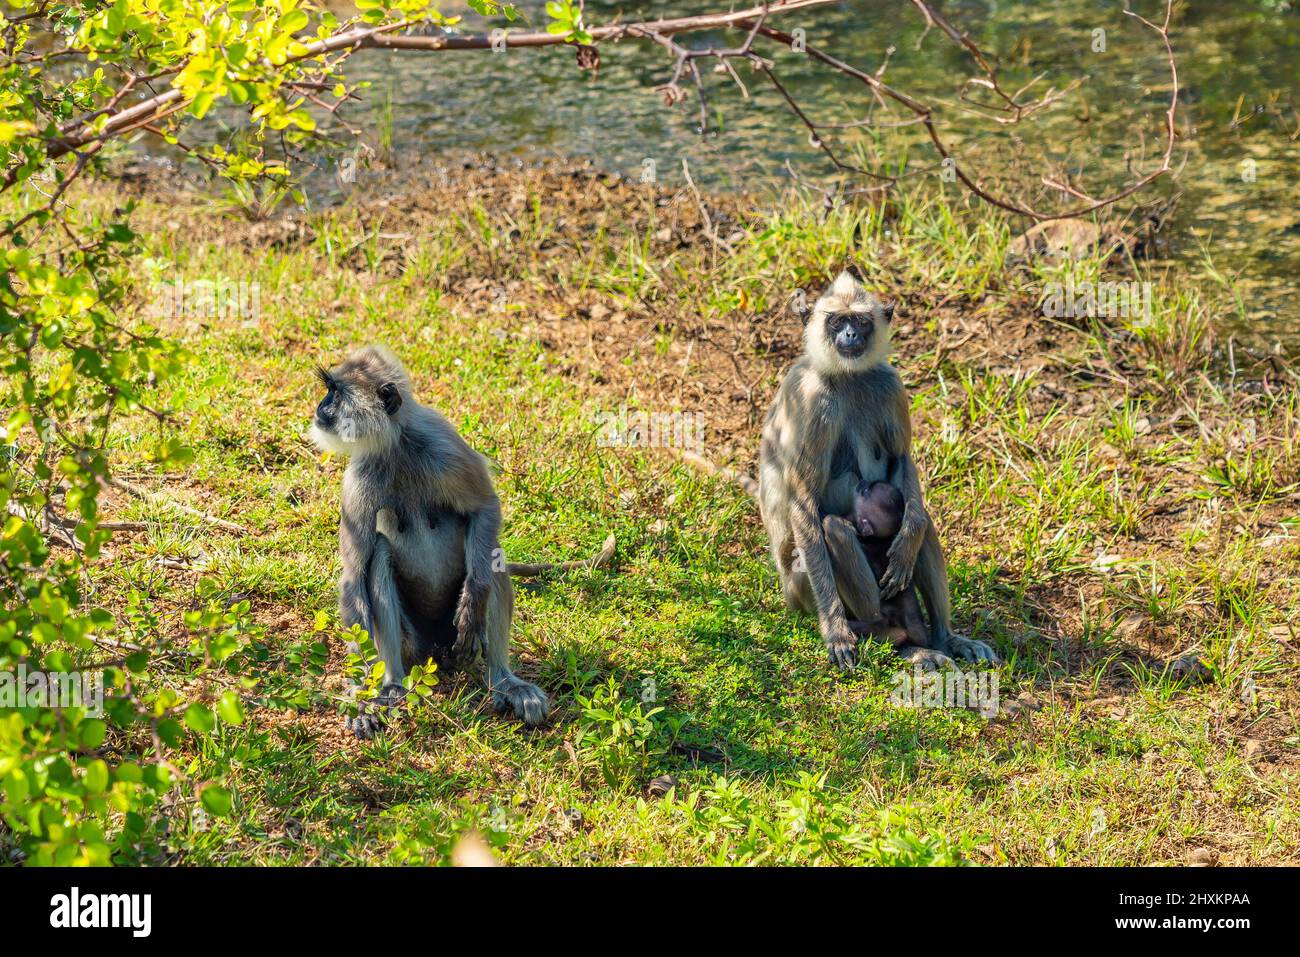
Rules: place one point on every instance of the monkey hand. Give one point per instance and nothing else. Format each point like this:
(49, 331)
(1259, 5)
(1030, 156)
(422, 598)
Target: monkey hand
(466, 649)
(902, 557)
(471, 626)
(842, 646)
(371, 715)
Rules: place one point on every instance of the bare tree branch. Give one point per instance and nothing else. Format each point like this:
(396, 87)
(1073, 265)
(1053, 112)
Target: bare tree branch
(1005, 107)
(925, 115)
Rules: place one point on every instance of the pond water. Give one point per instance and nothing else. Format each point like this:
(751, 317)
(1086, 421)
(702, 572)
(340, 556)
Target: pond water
(1239, 118)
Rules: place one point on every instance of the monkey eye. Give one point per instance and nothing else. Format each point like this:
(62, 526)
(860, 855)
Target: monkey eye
(836, 321)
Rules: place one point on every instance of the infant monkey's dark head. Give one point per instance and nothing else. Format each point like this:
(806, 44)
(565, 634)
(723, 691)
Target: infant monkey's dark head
(877, 510)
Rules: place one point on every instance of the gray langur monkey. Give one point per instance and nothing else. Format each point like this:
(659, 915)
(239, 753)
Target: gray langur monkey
(423, 572)
(841, 417)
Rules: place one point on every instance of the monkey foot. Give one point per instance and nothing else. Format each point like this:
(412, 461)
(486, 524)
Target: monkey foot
(370, 718)
(390, 696)
(969, 649)
(365, 726)
(927, 658)
(527, 701)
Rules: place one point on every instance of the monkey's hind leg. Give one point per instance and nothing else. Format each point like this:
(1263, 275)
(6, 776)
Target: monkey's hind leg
(853, 578)
(386, 632)
(508, 691)
(796, 589)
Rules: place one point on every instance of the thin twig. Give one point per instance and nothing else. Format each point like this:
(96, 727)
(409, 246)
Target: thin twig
(747, 482)
(533, 569)
(154, 497)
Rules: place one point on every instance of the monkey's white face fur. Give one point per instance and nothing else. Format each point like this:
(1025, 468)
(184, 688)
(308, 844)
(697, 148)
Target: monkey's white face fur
(337, 443)
(363, 404)
(849, 329)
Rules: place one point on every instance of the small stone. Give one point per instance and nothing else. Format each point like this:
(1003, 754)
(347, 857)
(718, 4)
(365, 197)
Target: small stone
(1130, 628)
(1202, 857)
(661, 785)
(1190, 666)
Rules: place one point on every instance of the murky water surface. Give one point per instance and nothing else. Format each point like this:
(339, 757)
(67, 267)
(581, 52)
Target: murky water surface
(1239, 66)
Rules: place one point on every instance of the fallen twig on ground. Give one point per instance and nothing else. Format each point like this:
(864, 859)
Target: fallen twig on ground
(531, 569)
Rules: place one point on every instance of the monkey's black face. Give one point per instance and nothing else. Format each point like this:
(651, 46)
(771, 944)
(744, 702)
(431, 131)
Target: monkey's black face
(327, 412)
(356, 411)
(850, 333)
(359, 414)
(336, 399)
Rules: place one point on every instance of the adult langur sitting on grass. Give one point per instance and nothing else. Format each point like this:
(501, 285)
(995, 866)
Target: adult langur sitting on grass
(418, 536)
(840, 418)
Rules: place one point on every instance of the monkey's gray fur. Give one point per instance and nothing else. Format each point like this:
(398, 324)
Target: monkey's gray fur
(840, 417)
(423, 572)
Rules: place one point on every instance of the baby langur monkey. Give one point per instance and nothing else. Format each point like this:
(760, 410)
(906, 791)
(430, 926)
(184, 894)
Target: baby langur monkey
(423, 571)
(877, 515)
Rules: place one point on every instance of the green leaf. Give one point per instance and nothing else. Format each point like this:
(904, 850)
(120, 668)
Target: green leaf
(293, 21)
(231, 708)
(169, 730)
(216, 800)
(92, 733)
(96, 777)
(200, 718)
(16, 787)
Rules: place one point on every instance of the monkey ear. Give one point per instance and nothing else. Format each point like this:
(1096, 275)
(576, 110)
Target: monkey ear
(799, 306)
(888, 309)
(391, 398)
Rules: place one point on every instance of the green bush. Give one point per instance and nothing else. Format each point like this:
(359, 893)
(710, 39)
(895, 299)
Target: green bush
(77, 355)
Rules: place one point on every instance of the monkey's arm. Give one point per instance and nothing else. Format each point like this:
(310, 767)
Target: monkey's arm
(806, 479)
(906, 545)
(357, 537)
(483, 559)
(367, 593)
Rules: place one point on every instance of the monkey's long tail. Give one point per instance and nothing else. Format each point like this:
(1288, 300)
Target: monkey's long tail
(746, 482)
(532, 569)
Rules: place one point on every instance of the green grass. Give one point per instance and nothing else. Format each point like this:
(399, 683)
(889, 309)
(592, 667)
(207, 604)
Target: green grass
(1101, 512)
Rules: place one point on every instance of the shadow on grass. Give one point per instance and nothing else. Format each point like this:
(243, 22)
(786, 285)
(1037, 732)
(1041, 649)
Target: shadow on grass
(1022, 622)
(752, 692)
